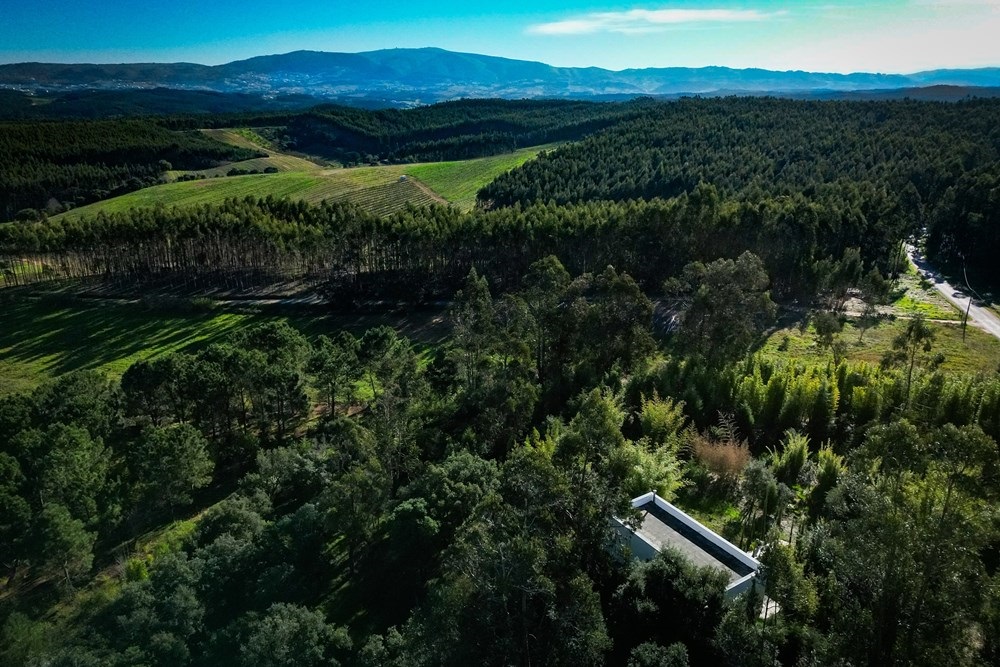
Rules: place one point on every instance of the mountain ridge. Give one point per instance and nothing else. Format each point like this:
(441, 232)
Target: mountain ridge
(432, 74)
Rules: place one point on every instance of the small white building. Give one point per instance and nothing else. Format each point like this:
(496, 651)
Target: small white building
(664, 525)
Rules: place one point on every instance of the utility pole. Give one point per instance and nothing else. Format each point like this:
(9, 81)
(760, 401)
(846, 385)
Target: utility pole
(968, 308)
(965, 320)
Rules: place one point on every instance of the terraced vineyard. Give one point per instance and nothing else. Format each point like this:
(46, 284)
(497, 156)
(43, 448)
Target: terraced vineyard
(387, 198)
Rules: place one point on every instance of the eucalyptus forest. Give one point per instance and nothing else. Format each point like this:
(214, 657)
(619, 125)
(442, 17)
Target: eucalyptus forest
(711, 299)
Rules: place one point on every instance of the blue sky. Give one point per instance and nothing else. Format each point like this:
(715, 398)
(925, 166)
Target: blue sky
(825, 35)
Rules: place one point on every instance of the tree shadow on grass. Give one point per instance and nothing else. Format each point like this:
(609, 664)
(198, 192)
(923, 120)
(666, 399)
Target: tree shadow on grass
(46, 338)
(60, 339)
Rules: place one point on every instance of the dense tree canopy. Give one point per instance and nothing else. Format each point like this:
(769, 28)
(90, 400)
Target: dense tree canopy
(59, 165)
(445, 522)
(904, 166)
(270, 498)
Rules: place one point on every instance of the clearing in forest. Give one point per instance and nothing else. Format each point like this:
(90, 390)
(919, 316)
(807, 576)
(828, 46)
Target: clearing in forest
(978, 352)
(43, 338)
(382, 190)
(372, 188)
(915, 295)
(247, 138)
(459, 181)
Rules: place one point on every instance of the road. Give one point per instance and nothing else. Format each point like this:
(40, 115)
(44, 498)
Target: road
(980, 317)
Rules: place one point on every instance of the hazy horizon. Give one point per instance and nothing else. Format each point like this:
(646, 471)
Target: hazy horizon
(836, 36)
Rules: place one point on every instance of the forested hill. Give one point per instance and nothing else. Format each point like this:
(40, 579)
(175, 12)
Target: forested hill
(55, 165)
(907, 167)
(447, 131)
(48, 165)
(424, 253)
(111, 104)
(935, 166)
(279, 485)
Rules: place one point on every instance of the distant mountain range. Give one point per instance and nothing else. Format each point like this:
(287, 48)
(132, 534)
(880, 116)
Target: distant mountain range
(403, 77)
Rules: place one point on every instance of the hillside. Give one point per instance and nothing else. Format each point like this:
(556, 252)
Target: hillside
(131, 102)
(53, 166)
(381, 190)
(930, 168)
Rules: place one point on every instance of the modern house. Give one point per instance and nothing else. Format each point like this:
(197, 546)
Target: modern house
(663, 525)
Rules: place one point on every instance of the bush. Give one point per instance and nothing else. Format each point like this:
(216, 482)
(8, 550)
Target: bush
(28, 215)
(788, 463)
(726, 459)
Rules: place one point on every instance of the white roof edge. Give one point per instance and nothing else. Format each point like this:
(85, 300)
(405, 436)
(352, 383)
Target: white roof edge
(643, 499)
(741, 580)
(706, 532)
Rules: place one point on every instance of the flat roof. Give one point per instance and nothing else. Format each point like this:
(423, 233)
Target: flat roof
(662, 530)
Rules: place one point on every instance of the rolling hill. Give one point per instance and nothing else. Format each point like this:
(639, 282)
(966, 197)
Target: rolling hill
(382, 190)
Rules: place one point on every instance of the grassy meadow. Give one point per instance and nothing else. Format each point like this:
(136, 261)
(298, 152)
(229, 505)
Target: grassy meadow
(247, 138)
(278, 162)
(382, 190)
(978, 352)
(374, 188)
(48, 336)
(916, 295)
(459, 182)
(241, 137)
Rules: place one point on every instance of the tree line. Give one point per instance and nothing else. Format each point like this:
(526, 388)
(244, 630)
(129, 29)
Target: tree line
(446, 131)
(425, 252)
(902, 166)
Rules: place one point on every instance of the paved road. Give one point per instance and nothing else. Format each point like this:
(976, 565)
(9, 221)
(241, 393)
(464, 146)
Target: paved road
(983, 318)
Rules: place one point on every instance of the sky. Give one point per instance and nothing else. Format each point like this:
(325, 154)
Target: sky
(825, 35)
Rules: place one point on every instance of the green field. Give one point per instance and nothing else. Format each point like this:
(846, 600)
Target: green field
(381, 190)
(458, 182)
(915, 295)
(246, 138)
(374, 188)
(279, 162)
(978, 352)
(242, 137)
(43, 338)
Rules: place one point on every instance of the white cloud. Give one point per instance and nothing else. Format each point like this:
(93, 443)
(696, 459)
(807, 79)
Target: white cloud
(647, 20)
(958, 3)
(925, 43)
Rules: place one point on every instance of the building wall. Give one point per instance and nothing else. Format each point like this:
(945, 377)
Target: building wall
(644, 551)
(639, 547)
(709, 535)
